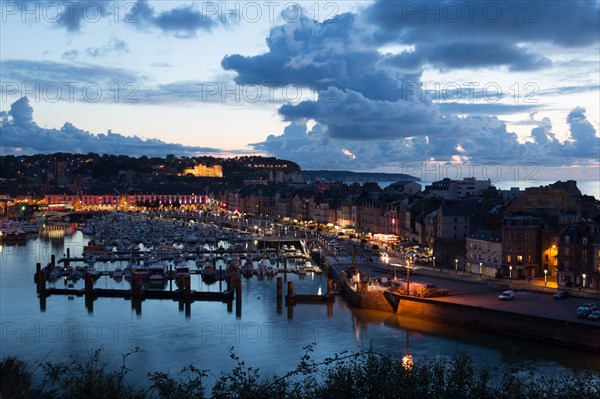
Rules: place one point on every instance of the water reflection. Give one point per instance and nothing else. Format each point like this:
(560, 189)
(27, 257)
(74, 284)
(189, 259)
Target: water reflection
(174, 333)
(512, 350)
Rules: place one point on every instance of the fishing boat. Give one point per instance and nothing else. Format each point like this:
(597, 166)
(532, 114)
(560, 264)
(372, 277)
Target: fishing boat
(301, 269)
(233, 268)
(262, 267)
(157, 272)
(209, 272)
(248, 269)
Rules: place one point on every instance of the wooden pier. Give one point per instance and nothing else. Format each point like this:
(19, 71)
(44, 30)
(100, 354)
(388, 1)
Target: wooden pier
(138, 293)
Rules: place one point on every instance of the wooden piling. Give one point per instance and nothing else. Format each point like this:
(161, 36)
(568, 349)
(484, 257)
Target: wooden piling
(238, 298)
(136, 285)
(238, 289)
(68, 257)
(41, 283)
(330, 286)
(279, 288)
(52, 261)
(89, 284)
(290, 290)
(38, 270)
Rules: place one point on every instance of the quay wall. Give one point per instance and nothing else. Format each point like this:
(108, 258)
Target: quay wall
(364, 299)
(561, 332)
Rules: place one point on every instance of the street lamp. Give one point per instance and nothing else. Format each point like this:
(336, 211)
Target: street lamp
(408, 276)
(510, 273)
(434, 262)
(480, 268)
(584, 276)
(456, 265)
(545, 277)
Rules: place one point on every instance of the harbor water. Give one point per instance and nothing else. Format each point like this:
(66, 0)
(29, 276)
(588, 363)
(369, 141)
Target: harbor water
(265, 337)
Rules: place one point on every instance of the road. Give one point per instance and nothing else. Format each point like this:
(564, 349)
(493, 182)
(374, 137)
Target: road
(531, 298)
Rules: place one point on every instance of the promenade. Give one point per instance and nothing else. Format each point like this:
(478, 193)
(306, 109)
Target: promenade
(531, 297)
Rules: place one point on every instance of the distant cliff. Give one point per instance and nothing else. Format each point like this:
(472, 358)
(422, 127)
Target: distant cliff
(351, 177)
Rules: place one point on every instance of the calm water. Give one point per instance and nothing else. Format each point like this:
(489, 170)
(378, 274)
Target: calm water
(264, 338)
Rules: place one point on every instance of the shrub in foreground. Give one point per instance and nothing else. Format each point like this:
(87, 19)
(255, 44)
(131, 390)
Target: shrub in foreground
(364, 374)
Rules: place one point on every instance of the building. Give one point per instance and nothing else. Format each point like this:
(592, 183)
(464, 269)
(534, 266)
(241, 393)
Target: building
(560, 196)
(484, 253)
(202, 170)
(521, 247)
(456, 189)
(403, 187)
(576, 257)
(453, 222)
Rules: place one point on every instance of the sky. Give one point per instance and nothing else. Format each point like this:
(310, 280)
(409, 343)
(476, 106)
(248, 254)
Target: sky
(506, 90)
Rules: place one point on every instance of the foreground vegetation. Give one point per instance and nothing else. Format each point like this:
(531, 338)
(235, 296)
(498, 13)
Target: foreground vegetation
(357, 375)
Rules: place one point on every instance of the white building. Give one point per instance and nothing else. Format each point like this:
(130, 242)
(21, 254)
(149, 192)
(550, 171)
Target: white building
(484, 253)
(456, 189)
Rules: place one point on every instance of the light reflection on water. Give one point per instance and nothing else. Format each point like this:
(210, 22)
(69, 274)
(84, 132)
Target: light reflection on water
(264, 337)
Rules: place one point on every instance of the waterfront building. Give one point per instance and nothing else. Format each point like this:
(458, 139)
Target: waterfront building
(576, 257)
(521, 247)
(484, 253)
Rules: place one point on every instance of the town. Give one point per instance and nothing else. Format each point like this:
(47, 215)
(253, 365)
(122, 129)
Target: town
(548, 233)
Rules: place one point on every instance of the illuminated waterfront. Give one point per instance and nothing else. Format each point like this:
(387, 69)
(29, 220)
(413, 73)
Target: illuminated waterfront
(263, 337)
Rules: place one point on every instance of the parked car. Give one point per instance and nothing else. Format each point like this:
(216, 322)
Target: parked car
(585, 310)
(595, 315)
(561, 295)
(507, 295)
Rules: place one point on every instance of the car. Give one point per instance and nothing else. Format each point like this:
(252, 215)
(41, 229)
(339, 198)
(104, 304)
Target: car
(591, 306)
(561, 295)
(595, 315)
(507, 295)
(585, 310)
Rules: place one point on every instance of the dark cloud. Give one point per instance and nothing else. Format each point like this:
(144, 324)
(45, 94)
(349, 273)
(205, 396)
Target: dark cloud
(560, 22)
(376, 111)
(476, 139)
(316, 55)
(19, 131)
(349, 114)
(183, 22)
(482, 55)
(483, 33)
(76, 13)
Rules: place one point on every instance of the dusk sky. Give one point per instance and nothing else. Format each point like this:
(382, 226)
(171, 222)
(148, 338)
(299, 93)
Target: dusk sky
(363, 86)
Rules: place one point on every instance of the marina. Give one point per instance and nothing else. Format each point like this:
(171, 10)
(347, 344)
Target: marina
(210, 311)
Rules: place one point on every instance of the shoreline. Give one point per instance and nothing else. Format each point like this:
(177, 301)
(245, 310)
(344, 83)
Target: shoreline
(485, 316)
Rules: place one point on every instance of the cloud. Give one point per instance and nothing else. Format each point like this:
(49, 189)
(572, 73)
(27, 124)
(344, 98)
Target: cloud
(483, 108)
(44, 72)
(349, 114)
(369, 102)
(562, 23)
(585, 141)
(461, 55)
(19, 132)
(75, 13)
(115, 45)
(476, 139)
(183, 22)
(317, 55)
